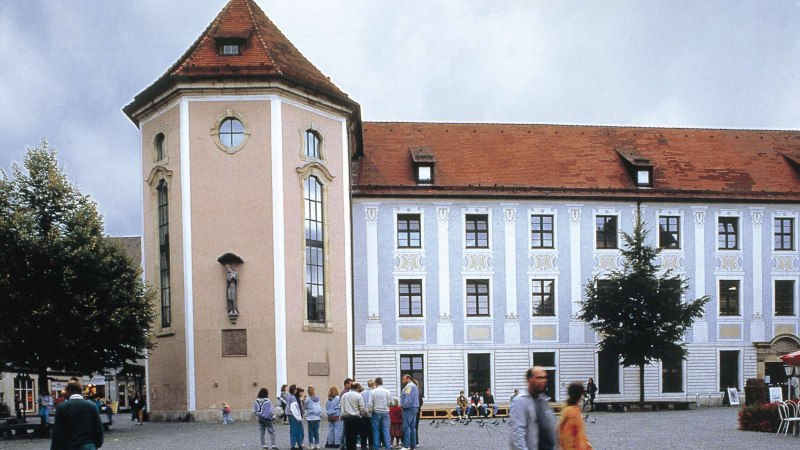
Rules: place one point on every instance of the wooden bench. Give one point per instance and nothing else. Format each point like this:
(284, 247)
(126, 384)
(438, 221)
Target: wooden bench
(654, 405)
(436, 412)
(12, 430)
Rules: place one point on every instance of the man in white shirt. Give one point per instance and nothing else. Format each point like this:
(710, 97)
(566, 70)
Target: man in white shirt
(353, 408)
(380, 399)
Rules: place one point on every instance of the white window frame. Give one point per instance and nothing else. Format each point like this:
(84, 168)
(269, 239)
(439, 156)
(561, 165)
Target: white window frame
(661, 379)
(402, 210)
(620, 375)
(557, 369)
(728, 213)
(476, 277)
(425, 370)
(490, 228)
(730, 319)
(543, 319)
(783, 214)
(492, 377)
(543, 212)
(789, 319)
(681, 230)
(606, 212)
(410, 276)
(740, 381)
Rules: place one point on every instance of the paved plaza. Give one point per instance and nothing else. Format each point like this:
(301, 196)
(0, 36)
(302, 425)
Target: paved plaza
(704, 428)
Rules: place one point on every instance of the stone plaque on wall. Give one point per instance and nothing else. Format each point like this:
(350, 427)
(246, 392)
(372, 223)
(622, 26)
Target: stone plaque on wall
(318, 369)
(234, 342)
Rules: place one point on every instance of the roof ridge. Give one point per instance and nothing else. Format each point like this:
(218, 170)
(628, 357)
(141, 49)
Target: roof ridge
(569, 125)
(265, 47)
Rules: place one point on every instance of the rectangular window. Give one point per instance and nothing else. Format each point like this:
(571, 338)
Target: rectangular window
(408, 231)
(477, 230)
(543, 298)
(784, 233)
(606, 231)
(229, 49)
(413, 366)
(479, 372)
(669, 232)
(542, 231)
(163, 250)
(410, 292)
(672, 375)
(547, 360)
(728, 233)
(23, 387)
(728, 369)
(315, 251)
(607, 372)
(729, 297)
(784, 297)
(477, 298)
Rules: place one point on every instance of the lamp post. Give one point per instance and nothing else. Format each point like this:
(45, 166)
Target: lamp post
(790, 371)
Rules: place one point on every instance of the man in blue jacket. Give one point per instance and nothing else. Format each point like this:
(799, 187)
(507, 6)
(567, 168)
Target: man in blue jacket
(77, 424)
(409, 401)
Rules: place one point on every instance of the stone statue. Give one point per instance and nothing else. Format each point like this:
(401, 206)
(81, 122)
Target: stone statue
(233, 281)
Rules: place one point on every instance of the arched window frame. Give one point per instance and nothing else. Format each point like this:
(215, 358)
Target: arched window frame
(161, 176)
(306, 152)
(160, 148)
(324, 178)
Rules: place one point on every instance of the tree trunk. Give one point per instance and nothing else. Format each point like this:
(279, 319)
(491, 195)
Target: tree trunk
(641, 386)
(42, 383)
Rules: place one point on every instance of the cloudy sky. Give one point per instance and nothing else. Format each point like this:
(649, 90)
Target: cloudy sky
(67, 67)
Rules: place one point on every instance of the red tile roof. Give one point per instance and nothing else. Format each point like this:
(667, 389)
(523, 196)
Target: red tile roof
(562, 161)
(267, 54)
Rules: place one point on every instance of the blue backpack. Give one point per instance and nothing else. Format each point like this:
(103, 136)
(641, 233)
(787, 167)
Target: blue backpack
(264, 409)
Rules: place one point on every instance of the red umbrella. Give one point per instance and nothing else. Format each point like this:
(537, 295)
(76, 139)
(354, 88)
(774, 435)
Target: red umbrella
(792, 359)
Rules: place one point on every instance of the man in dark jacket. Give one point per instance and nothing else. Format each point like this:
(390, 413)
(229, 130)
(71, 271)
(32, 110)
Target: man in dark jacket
(77, 425)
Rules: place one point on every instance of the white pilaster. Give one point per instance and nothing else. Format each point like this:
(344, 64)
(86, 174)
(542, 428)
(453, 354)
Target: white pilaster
(374, 329)
(278, 241)
(700, 327)
(444, 326)
(757, 327)
(348, 248)
(512, 331)
(188, 291)
(577, 333)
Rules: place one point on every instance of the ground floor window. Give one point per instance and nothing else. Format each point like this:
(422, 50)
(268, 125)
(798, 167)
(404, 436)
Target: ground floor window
(728, 369)
(23, 389)
(479, 372)
(413, 366)
(672, 375)
(607, 372)
(547, 360)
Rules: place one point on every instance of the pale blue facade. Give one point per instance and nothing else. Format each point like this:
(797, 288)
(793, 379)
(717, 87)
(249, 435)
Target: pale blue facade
(511, 334)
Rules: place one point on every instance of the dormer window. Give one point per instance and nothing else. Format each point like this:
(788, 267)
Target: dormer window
(231, 44)
(423, 161)
(644, 177)
(639, 168)
(230, 49)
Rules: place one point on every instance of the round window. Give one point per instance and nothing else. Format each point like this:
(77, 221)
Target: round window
(231, 132)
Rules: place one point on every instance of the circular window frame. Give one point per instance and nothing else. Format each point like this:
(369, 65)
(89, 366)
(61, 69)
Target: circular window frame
(215, 132)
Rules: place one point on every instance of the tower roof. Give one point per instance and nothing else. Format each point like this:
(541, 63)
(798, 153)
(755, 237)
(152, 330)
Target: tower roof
(266, 54)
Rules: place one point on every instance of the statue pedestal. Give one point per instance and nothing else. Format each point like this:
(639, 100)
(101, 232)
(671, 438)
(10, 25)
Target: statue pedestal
(233, 316)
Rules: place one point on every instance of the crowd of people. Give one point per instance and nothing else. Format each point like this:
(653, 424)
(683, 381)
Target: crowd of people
(366, 415)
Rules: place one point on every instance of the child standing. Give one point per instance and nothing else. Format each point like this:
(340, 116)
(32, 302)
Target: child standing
(226, 414)
(396, 420)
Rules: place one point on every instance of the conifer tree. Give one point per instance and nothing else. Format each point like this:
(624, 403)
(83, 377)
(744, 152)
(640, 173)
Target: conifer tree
(70, 298)
(640, 314)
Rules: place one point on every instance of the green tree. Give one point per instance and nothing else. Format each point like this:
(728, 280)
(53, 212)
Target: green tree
(640, 315)
(70, 298)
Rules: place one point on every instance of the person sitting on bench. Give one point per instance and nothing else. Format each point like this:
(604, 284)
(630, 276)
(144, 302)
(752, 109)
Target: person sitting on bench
(476, 405)
(461, 405)
(488, 402)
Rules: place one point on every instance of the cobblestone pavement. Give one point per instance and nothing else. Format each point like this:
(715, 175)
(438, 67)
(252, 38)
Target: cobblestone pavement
(704, 428)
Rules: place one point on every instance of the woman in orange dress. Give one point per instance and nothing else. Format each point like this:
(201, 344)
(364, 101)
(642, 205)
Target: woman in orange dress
(571, 429)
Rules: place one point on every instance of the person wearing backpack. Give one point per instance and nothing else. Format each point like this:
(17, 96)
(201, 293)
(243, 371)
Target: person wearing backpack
(262, 408)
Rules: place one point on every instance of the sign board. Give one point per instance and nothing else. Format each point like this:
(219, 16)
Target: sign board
(733, 395)
(775, 394)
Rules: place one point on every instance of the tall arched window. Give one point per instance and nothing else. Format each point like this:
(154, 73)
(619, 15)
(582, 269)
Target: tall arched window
(160, 155)
(163, 250)
(315, 251)
(313, 142)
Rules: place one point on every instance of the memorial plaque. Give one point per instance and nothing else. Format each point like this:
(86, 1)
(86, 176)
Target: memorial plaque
(234, 342)
(318, 369)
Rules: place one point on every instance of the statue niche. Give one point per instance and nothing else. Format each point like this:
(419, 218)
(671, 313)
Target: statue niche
(231, 283)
